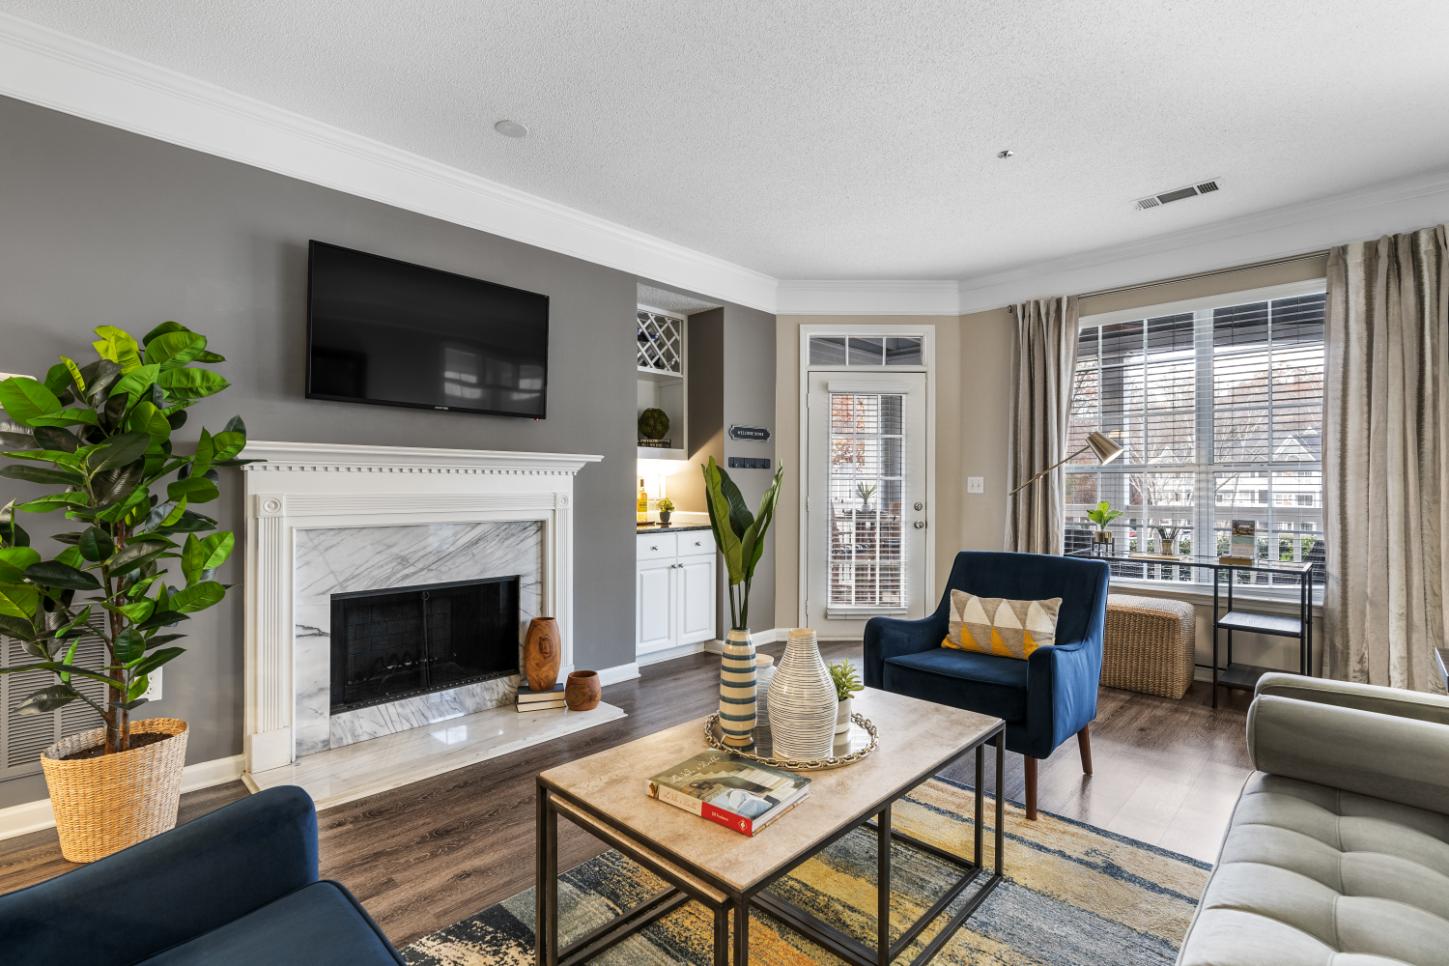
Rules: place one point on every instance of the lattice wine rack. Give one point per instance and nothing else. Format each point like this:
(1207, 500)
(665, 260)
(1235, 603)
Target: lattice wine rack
(660, 343)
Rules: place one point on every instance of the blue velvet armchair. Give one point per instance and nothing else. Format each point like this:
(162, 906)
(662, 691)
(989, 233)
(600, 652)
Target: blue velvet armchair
(1043, 700)
(238, 885)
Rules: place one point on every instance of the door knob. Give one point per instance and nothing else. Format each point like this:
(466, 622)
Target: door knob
(919, 524)
(919, 506)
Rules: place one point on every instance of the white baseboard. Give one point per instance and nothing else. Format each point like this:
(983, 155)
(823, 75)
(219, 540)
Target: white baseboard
(671, 653)
(35, 816)
(618, 673)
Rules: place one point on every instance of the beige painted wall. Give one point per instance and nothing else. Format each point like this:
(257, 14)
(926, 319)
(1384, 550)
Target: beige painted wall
(973, 380)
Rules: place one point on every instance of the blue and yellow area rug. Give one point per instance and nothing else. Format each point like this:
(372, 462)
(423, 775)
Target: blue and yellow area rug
(1073, 894)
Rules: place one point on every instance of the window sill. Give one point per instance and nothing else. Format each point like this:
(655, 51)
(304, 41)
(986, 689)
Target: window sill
(1202, 595)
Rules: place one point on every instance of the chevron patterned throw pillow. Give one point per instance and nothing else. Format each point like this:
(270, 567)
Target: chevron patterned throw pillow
(1006, 628)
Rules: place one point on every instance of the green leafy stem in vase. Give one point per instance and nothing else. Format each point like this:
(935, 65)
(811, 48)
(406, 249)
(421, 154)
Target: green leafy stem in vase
(846, 678)
(140, 559)
(739, 534)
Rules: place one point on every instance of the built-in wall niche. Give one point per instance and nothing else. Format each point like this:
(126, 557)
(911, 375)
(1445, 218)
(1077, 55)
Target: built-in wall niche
(659, 337)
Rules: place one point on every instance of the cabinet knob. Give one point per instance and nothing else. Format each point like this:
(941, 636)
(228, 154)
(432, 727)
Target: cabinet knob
(653, 548)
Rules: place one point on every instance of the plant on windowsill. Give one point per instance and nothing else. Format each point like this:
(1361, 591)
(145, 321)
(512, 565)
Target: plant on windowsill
(1102, 515)
(100, 614)
(847, 683)
(740, 537)
(865, 491)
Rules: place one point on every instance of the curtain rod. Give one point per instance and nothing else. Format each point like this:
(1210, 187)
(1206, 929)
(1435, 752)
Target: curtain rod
(1196, 275)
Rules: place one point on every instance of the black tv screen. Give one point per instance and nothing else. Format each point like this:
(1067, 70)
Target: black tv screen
(386, 332)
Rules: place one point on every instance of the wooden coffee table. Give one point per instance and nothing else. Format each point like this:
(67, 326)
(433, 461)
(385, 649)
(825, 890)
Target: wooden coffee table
(729, 873)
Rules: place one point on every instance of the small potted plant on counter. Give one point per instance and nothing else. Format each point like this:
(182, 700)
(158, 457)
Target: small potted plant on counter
(847, 683)
(99, 612)
(666, 510)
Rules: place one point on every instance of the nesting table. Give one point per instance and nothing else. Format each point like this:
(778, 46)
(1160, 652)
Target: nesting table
(731, 873)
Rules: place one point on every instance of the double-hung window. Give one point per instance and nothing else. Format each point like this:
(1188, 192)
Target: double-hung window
(1219, 407)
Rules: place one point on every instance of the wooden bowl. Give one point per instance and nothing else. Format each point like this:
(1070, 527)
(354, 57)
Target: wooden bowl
(583, 690)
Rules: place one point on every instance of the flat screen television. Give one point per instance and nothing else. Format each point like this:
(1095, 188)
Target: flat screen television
(385, 332)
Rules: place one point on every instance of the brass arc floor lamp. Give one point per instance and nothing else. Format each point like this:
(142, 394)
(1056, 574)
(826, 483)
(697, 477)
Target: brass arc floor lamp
(1106, 448)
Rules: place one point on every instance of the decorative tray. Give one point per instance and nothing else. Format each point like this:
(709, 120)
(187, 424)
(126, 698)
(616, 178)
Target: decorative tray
(850, 747)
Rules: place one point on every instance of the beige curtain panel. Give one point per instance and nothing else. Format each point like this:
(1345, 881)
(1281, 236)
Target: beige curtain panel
(1386, 458)
(1046, 356)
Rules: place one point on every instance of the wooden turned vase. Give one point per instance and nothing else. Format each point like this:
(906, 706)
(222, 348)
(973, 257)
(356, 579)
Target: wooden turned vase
(542, 651)
(583, 690)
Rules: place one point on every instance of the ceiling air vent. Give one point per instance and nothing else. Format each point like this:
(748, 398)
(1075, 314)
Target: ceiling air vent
(1176, 194)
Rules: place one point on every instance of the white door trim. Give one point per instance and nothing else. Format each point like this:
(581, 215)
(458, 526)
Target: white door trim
(927, 332)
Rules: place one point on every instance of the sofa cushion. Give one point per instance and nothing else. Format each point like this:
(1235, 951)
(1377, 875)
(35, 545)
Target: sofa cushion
(318, 925)
(1309, 874)
(963, 679)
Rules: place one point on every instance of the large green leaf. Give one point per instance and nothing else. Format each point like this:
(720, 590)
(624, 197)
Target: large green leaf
(116, 485)
(14, 561)
(719, 514)
(118, 346)
(66, 417)
(120, 451)
(53, 573)
(52, 438)
(47, 699)
(130, 645)
(96, 545)
(136, 383)
(43, 474)
(740, 516)
(199, 557)
(229, 445)
(197, 597)
(19, 600)
(157, 658)
(144, 417)
(134, 557)
(190, 384)
(174, 348)
(55, 457)
(753, 544)
(55, 501)
(13, 442)
(24, 399)
(100, 376)
(194, 489)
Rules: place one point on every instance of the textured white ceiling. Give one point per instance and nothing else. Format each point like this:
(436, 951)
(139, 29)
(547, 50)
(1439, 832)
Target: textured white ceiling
(851, 139)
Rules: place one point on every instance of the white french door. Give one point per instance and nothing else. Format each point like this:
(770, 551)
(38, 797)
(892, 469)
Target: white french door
(865, 508)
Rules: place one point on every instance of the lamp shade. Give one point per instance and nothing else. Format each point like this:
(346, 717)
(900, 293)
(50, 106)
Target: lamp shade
(1106, 448)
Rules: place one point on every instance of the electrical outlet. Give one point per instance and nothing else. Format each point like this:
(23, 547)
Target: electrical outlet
(975, 484)
(153, 685)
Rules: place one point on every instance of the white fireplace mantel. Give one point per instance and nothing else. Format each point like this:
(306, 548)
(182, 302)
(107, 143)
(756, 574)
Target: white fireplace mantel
(330, 485)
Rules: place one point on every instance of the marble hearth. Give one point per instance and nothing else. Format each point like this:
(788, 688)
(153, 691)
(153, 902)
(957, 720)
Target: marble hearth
(326, 519)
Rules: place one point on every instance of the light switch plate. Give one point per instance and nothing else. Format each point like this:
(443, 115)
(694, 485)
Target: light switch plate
(975, 484)
(153, 685)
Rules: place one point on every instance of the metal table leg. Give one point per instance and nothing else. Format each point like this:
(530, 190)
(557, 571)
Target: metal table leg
(722, 936)
(546, 927)
(742, 931)
(883, 886)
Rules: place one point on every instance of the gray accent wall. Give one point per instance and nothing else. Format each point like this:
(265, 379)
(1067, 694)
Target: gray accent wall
(101, 226)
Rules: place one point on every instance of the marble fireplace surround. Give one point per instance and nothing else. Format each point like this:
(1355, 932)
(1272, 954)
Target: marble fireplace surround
(458, 494)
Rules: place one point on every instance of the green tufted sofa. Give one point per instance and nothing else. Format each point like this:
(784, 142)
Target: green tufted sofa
(1338, 849)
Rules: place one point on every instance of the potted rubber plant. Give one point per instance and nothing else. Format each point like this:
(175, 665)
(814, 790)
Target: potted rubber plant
(1102, 515)
(740, 537)
(847, 683)
(99, 606)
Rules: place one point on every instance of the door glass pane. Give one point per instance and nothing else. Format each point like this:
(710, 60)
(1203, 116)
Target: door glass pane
(827, 350)
(867, 352)
(867, 483)
(903, 351)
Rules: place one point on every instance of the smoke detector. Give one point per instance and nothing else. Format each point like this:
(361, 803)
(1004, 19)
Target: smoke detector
(1176, 194)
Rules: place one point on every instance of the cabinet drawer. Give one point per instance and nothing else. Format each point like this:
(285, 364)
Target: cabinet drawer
(652, 546)
(693, 542)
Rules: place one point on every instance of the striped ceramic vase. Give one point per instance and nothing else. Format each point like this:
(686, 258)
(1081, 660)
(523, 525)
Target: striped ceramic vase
(802, 701)
(737, 689)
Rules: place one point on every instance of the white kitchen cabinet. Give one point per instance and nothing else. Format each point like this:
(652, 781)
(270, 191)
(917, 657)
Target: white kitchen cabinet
(675, 588)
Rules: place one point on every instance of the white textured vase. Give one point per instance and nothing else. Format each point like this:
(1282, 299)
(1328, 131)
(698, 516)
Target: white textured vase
(764, 674)
(802, 701)
(737, 689)
(842, 717)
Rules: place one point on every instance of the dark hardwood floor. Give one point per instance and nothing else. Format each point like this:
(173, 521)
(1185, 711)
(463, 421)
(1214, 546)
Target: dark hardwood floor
(426, 855)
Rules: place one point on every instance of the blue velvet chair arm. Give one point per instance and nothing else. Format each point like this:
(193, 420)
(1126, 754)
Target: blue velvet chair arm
(1061, 692)
(169, 889)
(887, 637)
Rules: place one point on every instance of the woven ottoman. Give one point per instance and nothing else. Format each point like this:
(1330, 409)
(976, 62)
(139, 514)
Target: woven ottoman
(1148, 645)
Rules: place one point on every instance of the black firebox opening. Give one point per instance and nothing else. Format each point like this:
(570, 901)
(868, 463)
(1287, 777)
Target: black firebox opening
(395, 643)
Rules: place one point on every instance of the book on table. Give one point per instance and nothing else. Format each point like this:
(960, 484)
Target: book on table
(531, 700)
(730, 791)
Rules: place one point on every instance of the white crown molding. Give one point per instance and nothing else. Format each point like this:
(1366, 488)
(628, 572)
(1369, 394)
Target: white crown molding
(867, 297)
(68, 74)
(1393, 206)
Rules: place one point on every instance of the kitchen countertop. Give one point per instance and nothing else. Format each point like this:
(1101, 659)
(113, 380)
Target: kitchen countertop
(680, 528)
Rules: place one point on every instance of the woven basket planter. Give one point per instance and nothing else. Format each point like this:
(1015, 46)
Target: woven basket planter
(110, 802)
(1148, 646)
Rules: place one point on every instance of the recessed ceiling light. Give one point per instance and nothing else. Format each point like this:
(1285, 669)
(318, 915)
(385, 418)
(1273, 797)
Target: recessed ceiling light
(510, 129)
(1006, 153)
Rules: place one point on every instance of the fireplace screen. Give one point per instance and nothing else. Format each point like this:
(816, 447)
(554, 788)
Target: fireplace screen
(397, 643)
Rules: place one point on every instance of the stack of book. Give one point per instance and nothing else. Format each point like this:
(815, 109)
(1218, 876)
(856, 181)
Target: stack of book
(531, 700)
(735, 793)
